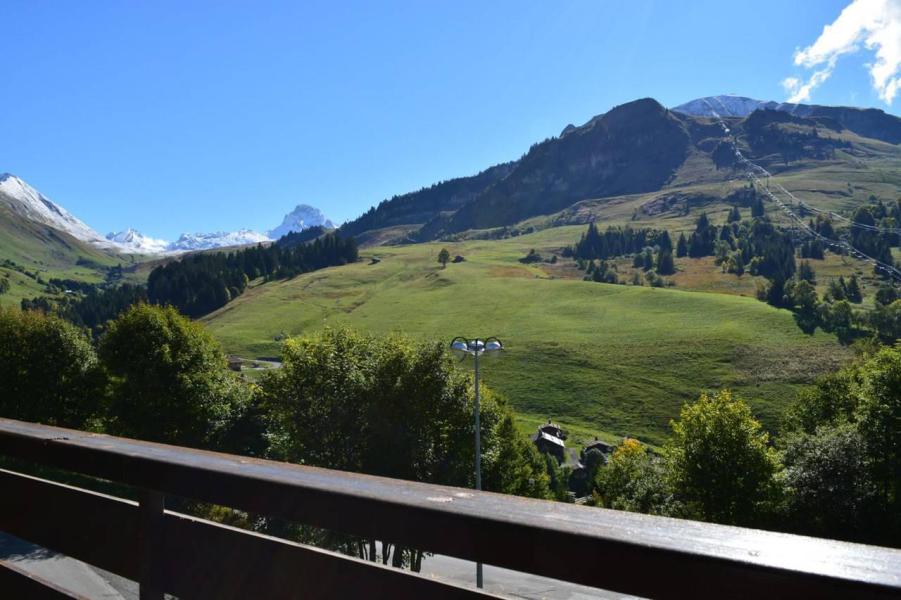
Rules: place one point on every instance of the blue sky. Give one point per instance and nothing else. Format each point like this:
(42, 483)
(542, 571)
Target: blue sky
(203, 116)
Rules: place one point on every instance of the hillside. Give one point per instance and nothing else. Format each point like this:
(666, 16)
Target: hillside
(585, 353)
(617, 359)
(633, 148)
(38, 252)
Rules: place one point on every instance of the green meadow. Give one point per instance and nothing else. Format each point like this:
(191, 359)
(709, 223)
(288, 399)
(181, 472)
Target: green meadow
(608, 360)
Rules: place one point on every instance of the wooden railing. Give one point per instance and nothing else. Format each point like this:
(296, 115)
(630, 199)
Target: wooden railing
(192, 558)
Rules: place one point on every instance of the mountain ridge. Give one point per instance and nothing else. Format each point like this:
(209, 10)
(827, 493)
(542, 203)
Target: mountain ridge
(868, 122)
(30, 204)
(638, 146)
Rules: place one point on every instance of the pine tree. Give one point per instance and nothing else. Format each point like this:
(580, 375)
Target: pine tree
(757, 209)
(648, 260)
(664, 242)
(806, 273)
(681, 246)
(852, 291)
(734, 215)
(665, 264)
(837, 289)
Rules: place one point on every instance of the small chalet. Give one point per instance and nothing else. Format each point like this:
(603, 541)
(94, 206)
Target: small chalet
(549, 440)
(553, 429)
(604, 448)
(550, 444)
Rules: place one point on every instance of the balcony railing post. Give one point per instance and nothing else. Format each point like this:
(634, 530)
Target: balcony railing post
(151, 507)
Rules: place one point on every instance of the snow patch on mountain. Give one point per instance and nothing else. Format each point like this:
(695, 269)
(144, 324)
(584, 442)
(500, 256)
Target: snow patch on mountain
(31, 204)
(737, 106)
(132, 240)
(302, 217)
(205, 241)
(725, 106)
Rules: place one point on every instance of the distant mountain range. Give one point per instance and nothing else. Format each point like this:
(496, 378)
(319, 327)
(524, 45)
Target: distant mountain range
(638, 147)
(867, 122)
(30, 205)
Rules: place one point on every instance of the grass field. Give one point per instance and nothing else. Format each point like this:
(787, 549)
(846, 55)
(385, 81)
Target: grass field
(608, 359)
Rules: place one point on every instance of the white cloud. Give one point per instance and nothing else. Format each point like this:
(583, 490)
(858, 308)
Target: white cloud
(876, 24)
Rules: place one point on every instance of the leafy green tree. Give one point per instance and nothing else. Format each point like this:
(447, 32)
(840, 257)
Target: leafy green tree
(879, 417)
(558, 479)
(839, 318)
(49, 372)
(518, 468)
(804, 298)
(4, 285)
(443, 257)
(735, 263)
(829, 402)
(842, 446)
(634, 481)
(886, 321)
(828, 481)
(719, 460)
(886, 294)
(169, 380)
(392, 407)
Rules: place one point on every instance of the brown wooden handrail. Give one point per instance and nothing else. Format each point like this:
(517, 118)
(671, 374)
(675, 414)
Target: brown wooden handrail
(626, 552)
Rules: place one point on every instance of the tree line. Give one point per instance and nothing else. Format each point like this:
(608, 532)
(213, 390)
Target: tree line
(196, 284)
(342, 400)
(617, 241)
(834, 469)
(200, 283)
(399, 408)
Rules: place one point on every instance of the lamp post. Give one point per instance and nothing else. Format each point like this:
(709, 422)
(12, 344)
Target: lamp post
(475, 348)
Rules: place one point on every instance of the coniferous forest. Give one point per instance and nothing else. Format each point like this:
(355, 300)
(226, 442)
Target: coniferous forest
(200, 283)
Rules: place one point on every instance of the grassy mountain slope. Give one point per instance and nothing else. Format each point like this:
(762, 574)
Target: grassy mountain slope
(46, 252)
(617, 359)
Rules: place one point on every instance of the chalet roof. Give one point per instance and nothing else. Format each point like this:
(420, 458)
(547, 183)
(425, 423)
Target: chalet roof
(598, 443)
(551, 438)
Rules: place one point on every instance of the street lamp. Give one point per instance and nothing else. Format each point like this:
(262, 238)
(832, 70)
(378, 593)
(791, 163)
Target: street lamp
(475, 348)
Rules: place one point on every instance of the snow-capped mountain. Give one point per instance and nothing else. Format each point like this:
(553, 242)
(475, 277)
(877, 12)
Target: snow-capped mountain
(31, 204)
(34, 206)
(729, 105)
(131, 240)
(134, 241)
(204, 241)
(302, 217)
(725, 106)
